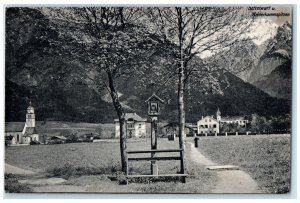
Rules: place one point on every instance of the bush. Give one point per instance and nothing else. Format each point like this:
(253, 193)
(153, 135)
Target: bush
(34, 142)
(11, 184)
(69, 170)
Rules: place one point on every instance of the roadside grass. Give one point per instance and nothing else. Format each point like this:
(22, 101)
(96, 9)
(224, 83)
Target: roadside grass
(265, 157)
(11, 184)
(94, 164)
(77, 155)
(68, 170)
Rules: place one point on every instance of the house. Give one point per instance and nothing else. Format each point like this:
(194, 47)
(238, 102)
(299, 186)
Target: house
(23, 133)
(240, 120)
(14, 129)
(134, 124)
(208, 125)
(193, 128)
(172, 128)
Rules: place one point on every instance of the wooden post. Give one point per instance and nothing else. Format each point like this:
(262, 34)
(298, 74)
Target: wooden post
(154, 111)
(154, 167)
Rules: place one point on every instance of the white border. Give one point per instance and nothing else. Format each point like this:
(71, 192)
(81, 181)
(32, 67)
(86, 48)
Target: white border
(148, 198)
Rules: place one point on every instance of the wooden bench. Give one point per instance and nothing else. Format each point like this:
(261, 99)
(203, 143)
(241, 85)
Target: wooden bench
(162, 158)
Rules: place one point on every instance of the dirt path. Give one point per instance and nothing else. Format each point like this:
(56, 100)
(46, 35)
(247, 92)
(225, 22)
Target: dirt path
(228, 181)
(19, 171)
(40, 183)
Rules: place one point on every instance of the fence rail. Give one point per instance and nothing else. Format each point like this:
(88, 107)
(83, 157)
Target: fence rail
(153, 158)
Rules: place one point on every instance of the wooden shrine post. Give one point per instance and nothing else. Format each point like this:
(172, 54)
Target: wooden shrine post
(154, 111)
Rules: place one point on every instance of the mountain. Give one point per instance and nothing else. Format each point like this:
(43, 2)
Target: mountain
(54, 85)
(274, 64)
(237, 98)
(278, 83)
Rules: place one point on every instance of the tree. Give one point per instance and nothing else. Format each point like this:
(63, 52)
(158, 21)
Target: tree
(106, 44)
(198, 32)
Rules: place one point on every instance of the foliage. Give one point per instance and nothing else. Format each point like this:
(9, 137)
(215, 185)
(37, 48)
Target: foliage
(260, 124)
(11, 184)
(68, 170)
(274, 124)
(233, 127)
(106, 40)
(202, 32)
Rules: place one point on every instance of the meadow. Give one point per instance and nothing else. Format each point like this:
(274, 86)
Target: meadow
(87, 163)
(97, 165)
(265, 157)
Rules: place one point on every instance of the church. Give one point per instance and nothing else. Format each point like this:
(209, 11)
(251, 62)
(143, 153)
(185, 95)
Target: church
(20, 133)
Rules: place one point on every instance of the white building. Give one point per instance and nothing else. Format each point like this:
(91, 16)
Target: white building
(23, 134)
(208, 125)
(240, 120)
(134, 124)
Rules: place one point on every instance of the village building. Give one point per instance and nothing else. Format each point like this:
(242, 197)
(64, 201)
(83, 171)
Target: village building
(172, 128)
(134, 124)
(208, 125)
(240, 120)
(23, 133)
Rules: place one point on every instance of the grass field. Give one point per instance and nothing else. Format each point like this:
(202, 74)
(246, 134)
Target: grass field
(265, 157)
(85, 163)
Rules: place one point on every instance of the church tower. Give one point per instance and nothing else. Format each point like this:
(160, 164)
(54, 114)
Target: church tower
(218, 114)
(30, 116)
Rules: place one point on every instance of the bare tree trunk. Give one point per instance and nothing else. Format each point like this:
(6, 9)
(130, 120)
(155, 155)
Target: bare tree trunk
(181, 112)
(121, 115)
(123, 146)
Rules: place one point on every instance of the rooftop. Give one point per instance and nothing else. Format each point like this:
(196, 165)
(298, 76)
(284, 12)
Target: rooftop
(14, 126)
(133, 116)
(30, 131)
(233, 118)
(208, 117)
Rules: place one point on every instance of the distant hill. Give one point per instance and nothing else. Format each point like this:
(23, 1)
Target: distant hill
(278, 83)
(52, 84)
(238, 98)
